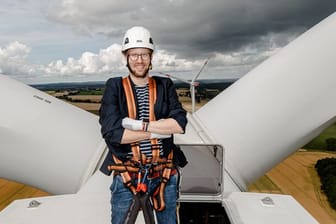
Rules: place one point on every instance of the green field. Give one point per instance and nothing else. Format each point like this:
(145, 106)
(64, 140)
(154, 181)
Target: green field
(320, 142)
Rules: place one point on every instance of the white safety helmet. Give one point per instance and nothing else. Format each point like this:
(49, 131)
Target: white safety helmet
(135, 37)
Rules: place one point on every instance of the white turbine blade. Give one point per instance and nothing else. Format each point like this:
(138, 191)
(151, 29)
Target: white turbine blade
(178, 78)
(196, 76)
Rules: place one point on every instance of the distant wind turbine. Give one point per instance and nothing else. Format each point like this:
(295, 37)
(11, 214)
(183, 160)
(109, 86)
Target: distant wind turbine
(193, 84)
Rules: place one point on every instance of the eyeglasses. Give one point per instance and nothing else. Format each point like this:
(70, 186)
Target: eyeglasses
(144, 56)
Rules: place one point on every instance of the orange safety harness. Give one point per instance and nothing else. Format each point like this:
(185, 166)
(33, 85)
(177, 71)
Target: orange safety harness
(139, 163)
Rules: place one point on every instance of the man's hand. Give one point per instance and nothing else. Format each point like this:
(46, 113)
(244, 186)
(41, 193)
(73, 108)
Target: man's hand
(156, 135)
(131, 124)
(139, 125)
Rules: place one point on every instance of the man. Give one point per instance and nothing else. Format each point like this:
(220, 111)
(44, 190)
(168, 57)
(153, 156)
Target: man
(139, 115)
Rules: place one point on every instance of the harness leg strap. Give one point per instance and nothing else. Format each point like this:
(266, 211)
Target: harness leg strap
(147, 208)
(158, 195)
(133, 210)
(159, 203)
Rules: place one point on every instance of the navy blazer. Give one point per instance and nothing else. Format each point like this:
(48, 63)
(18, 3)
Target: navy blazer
(114, 108)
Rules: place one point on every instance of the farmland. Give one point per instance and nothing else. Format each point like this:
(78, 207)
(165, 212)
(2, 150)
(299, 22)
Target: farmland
(297, 176)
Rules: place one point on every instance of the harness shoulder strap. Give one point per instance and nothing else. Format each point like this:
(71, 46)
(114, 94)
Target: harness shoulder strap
(131, 107)
(130, 99)
(152, 100)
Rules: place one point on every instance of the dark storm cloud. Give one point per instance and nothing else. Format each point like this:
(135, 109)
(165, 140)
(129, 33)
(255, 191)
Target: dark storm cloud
(226, 28)
(195, 29)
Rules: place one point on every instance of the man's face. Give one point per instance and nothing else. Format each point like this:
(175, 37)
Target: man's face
(139, 61)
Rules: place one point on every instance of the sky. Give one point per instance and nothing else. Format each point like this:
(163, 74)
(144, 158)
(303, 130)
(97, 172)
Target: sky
(47, 41)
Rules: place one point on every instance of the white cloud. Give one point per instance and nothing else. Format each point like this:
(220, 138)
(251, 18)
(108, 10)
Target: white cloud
(14, 51)
(109, 61)
(166, 61)
(13, 59)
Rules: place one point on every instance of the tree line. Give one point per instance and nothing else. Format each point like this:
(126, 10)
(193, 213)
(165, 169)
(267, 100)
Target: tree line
(326, 169)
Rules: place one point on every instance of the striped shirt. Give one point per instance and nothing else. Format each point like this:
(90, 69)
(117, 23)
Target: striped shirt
(142, 95)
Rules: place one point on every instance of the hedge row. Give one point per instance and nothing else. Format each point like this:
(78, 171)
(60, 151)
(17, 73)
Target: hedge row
(326, 169)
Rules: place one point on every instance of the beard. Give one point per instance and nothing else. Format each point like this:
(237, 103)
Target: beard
(137, 74)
